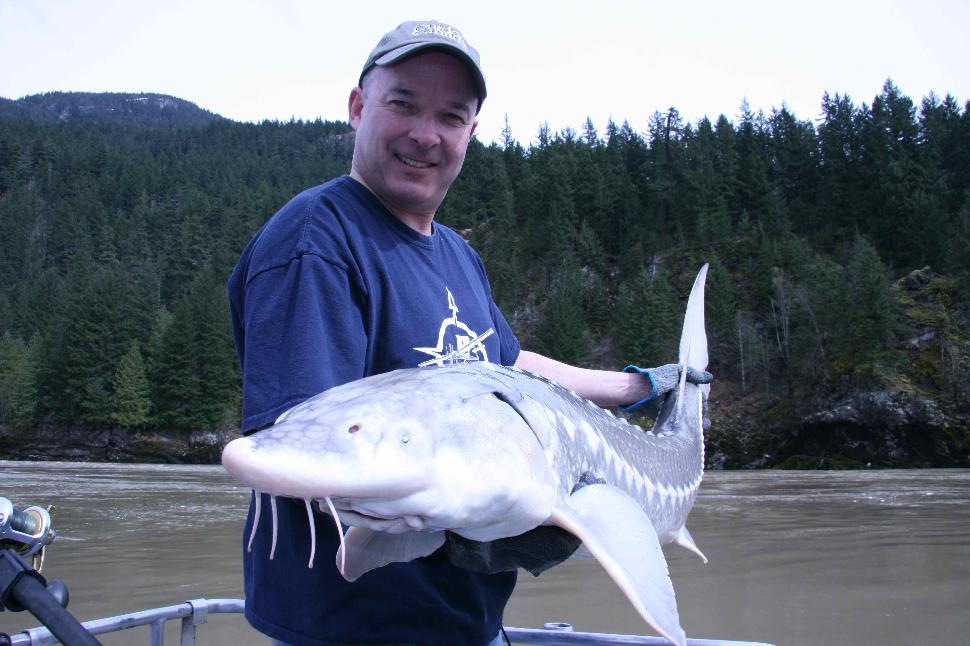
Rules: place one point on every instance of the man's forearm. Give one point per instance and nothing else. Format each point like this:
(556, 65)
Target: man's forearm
(603, 387)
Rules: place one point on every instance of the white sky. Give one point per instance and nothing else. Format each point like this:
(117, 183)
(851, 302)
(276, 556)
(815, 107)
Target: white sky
(543, 61)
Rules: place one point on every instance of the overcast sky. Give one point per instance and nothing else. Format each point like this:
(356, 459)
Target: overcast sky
(557, 62)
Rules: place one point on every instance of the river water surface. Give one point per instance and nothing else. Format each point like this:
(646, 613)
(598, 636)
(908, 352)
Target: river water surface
(796, 558)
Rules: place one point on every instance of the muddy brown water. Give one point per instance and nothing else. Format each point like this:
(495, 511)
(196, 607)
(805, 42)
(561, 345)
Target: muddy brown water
(861, 557)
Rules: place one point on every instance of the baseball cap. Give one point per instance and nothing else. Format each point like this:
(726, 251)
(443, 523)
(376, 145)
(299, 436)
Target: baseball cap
(411, 37)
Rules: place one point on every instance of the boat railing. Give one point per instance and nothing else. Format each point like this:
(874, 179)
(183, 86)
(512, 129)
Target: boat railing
(196, 612)
(193, 613)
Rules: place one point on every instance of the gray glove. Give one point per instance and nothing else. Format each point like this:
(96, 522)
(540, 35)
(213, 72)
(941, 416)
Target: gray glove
(536, 550)
(663, 379)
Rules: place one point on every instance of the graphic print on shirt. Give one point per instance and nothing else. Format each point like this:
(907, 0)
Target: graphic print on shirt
(457, 343)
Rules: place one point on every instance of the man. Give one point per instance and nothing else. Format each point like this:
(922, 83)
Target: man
(354, 278)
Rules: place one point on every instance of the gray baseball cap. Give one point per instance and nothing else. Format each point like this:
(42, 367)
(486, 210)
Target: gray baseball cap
(409, 38)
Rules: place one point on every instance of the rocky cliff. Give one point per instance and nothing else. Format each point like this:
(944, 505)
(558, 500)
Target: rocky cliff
(914, 416)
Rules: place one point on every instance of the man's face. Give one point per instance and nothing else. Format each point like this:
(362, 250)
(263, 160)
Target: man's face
(414, 120)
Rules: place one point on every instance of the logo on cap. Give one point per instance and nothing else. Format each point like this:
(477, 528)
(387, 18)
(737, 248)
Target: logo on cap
(445, 31)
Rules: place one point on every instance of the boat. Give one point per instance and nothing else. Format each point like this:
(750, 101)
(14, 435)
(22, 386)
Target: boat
(196, 612)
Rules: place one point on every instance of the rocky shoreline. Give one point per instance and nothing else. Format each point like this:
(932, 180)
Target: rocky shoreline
(879, 429)
(886, 428)
(50, 442)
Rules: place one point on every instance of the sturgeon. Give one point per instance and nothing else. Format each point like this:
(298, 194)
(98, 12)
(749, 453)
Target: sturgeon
(487, 452)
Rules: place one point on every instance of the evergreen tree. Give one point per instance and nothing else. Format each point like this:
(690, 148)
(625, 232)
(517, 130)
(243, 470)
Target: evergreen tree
(219, 399)
(548, 208)
(955, 256)
(18, 381)
(665, 171)
(589, 252)
(597, 306)
(176, 382)
(563, 332)
(826, 301)
(753, 181)
(195, 383)
(839, 160)
(590, 135)
(621, 207)
(794, 165)
(891, 171)
(650, 320)
(93, 341)
(705, 187)
(130, 397)
(499, 244)
(726, 165)
(872, 317)
(721, 313)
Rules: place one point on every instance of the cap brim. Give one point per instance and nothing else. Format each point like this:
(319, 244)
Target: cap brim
(403, 52)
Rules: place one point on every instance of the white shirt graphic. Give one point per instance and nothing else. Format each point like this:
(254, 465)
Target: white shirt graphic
(457, 343)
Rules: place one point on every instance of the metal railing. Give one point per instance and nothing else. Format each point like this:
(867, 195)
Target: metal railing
(196, 612)
(563, 635)
(192, 613)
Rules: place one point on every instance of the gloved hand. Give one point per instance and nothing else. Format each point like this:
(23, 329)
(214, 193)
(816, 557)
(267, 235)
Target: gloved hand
(663, 379)
(536, 550)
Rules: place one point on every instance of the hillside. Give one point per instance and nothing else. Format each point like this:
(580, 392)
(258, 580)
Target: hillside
(838, 302)
(143, 109)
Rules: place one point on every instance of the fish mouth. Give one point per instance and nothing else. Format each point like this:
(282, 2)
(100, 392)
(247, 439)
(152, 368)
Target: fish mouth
(350, 505)
(357, 514)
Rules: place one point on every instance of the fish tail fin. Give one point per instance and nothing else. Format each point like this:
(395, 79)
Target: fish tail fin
(693, 339)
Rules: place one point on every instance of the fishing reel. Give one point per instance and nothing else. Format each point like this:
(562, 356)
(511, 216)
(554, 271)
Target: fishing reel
(27, 532)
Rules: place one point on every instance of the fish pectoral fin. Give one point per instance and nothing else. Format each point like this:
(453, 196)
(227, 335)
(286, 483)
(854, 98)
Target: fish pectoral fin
(619, 534)
(684, 539)
(368, 549)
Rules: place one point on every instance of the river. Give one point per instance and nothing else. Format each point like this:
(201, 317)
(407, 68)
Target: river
(796, 558)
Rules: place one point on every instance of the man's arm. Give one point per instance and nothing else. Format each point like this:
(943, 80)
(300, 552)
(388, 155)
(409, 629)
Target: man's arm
(608, 388)
(603, 387)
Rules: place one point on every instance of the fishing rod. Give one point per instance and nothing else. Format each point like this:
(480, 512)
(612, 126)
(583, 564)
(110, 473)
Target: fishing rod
(26, 534)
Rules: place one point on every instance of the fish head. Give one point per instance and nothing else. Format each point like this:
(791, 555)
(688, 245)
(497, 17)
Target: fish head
(419, 449)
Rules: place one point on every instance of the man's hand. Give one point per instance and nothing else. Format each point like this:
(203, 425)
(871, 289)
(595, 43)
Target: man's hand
(536, 550)
(663, 379)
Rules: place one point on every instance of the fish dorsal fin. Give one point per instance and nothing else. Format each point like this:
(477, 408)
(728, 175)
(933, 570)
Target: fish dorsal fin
(621, 537)
(368, 549)
(684, 539)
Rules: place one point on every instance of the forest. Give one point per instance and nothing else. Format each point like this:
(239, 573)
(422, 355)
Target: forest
(838, 249)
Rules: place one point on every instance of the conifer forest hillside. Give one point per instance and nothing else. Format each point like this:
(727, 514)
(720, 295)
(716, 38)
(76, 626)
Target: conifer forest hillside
(838, 301)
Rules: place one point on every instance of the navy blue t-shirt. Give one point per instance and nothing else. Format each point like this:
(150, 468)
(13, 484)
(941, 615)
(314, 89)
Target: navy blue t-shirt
(331, 289)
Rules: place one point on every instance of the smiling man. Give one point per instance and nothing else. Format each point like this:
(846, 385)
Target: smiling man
(413, 121)
(354, 278)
